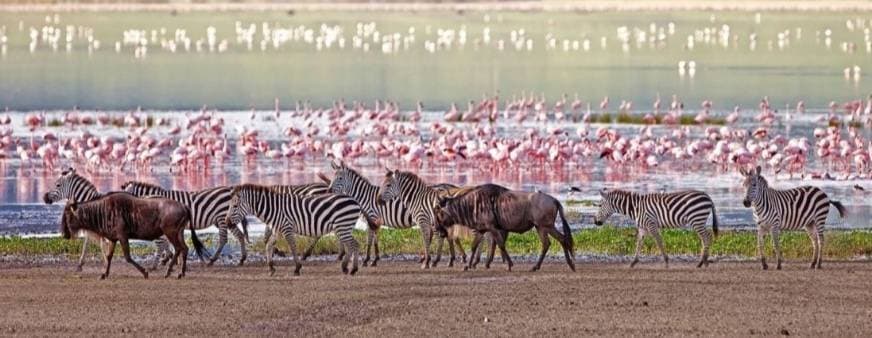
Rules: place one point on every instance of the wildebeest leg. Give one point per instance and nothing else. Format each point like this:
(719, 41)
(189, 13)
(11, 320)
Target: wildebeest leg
(567, 253)
(450, 251)
(500, 239)
(493, 248)
(270, 244)
(108, 257)
(84, 252)
(546, 243)
(427, 234)
(439, 241)
(460, 249)
(177, 240)
(474, 251)
(125, 248)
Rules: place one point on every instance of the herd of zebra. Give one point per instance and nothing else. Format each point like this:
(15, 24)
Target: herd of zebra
(404, 200)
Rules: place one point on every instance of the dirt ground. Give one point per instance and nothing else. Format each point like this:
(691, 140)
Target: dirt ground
(399, 299)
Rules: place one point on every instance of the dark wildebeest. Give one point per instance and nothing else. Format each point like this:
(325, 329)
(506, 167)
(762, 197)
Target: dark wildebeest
(121, 216)
(496, 210)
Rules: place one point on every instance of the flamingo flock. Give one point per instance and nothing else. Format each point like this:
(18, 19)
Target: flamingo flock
(523, 131)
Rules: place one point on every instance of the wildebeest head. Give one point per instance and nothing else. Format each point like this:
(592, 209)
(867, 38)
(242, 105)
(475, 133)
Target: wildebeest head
(753, 184)
(442, 214)
(390, 188)
(70, 220)
(62, 187)
(606, 207)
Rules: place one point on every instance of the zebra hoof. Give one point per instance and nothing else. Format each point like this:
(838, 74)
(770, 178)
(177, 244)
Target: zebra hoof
(345, 270)
(466, 268)
(374, 263)
(103, 276)
(765, 267)
(180, 276)
(534, 269)
(79, 268)
(353, 271)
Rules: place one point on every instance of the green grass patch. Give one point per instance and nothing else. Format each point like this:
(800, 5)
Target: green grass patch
(607, 240)
(55, 123)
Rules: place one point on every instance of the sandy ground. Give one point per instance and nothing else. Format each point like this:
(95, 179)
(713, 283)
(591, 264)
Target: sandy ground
(397, 298)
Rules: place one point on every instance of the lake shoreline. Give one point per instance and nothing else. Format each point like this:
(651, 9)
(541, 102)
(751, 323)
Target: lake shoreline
(512, 6)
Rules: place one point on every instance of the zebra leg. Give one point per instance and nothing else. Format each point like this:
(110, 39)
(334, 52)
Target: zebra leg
(655, 232)
(222, 240)
(376, 251)
(640, 239)
(178, 250)
(546, 243)
(776, 244)
(84, 252)
(270, 245)
(810, 230)
(267, 233)
(309, 250)
(706, 239)
(460, 249)
(352, 249)
(107, 255)
(159, 255)
(760, 246)
(242, 245)
(369, 243)
(427, 236)
(292, 244)
(820, 238)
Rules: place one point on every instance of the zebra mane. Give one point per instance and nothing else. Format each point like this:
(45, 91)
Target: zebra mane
(144, 185)
(612, 193)
(410, 178)
(356, 174)
(73, 176)
(250, 187)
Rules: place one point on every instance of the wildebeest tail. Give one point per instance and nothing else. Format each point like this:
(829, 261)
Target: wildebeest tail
(198, 246)
(567, 233)
(839, 207)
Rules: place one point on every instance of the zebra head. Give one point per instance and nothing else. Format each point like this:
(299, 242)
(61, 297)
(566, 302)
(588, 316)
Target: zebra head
(239, 206)
(754, 183)
(391, 187)
(606, 208)
(64, 186)
(343, 177)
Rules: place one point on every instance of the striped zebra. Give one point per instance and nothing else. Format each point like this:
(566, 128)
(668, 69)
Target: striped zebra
(418, 197)
(309, 189)
(74, 188)
(653, 212)
(291, 214)
(208, 207)
(794, 209)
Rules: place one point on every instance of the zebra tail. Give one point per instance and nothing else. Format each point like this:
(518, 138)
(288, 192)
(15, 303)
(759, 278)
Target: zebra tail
(198, 246)
(840, 208)
(567, 233)
(714, 221)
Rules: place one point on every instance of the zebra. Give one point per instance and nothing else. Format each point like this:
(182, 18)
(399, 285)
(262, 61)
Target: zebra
(304, 215)
(75, 188)
(308, 189)
(775, 210)
(418, 197)
(661, 210)
(208, 207)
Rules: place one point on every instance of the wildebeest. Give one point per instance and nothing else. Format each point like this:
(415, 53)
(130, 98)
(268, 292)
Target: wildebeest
(496, 210)
(119, 217)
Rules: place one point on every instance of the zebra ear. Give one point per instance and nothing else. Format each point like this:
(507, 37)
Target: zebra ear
(743, 171)
(603, 192)
(759, 170)
(334, 165)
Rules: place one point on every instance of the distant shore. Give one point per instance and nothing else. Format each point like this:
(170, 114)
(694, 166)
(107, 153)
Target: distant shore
(532, 6)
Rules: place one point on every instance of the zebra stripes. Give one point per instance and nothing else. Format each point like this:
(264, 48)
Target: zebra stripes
(392, 214)
(661, 210)
(291, 214)
(208, 207)
(309, 189)
(774, 210)
(418, 197)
